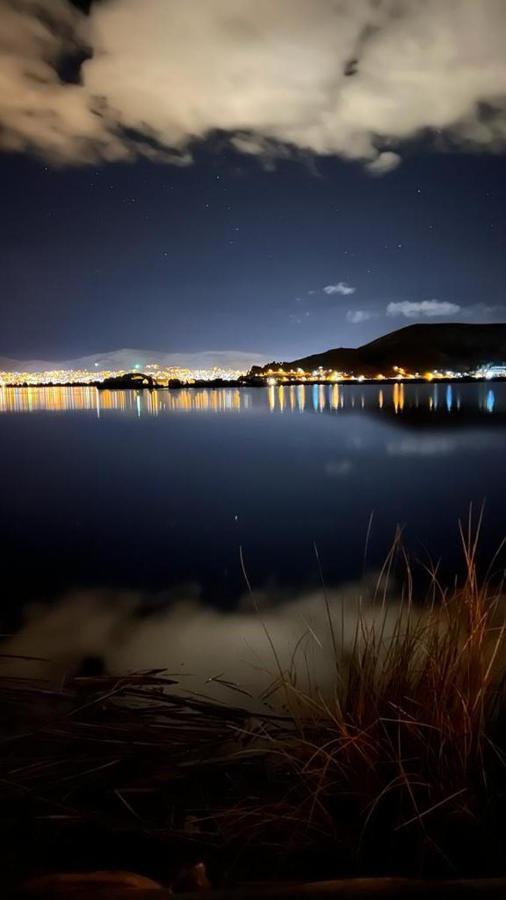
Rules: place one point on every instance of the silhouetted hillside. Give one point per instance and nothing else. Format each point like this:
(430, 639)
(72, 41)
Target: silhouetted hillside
(419, 348)
(129, 381)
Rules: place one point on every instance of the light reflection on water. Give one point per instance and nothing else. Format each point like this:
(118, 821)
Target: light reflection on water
(318, 398)
(146, 490)
(89, 399)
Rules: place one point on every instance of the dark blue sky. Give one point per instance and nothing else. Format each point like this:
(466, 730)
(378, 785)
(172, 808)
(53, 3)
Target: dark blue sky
(224, 254)
(373, 164)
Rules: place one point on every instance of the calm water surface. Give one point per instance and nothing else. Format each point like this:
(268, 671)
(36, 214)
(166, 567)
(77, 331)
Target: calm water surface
(147, 490)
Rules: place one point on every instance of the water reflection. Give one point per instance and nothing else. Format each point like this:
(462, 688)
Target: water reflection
(397, 399)
(422, 445)
(139, 403)
(51, 399)
(149, 489)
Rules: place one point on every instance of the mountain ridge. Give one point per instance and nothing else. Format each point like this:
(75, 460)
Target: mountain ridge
(418, 347)
(127, 358)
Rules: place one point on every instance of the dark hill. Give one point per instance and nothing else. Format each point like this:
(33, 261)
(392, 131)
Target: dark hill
(128, 381)
(419, 348)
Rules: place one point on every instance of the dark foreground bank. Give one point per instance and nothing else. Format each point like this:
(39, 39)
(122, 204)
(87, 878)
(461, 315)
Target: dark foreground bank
(397, 770)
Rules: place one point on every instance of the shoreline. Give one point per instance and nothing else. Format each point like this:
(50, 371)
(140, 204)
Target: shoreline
(355, 382)
(134, 771)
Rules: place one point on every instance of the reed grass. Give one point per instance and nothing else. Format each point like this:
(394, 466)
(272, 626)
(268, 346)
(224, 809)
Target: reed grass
(402, 765)
(397, 768)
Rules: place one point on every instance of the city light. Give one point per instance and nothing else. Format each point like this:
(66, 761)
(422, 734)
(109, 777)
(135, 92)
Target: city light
(396, 373)
(161, 375)
(164, 376)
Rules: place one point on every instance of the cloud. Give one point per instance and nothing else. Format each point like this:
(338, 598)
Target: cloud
(354, 78)
(356, 316)
(383, 163)
(429, 308)
(341, 288)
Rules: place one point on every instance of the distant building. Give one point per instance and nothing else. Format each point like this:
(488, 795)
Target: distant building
(497, 370)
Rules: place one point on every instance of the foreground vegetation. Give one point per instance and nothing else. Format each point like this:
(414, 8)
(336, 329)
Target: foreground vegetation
(397, 768)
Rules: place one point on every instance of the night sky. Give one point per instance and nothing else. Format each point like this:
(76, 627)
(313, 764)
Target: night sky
(278, 252)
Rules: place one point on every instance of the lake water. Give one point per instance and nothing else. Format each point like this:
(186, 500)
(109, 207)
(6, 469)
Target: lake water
(145, 491)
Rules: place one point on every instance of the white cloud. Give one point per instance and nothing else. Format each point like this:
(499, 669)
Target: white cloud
(349, 78)
(355, 316)
(341, 288)
(383, 163)
(429, 308)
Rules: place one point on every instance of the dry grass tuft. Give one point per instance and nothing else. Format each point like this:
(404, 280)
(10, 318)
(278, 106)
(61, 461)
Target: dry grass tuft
(402, 766)
(398, 769)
